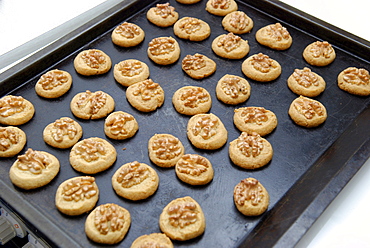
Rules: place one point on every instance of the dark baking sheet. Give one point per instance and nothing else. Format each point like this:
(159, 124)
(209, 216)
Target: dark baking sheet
(309, 167)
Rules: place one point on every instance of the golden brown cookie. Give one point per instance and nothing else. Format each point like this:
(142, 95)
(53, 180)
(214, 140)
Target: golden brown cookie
(198, 66)
(319, 53)
(306, 83)
(192, 100)
(250, 197)
(233, 89)
(191, 28)
(135, 181)
(120, 125)
(77, 195)
(261, 67)
(108, 224)
(152, 240)
(355, 81)
(163, 15)
(130, 71)
(307, 112)
(165, 150)
(194, 169)
(206, 131)
(188, 1)
(12, 141)
(221, 7)
(127, 35)
(250, 151)
(53, 84)
(237, 22)
(182, 219)
(92, 155)
(34, 169)
(92, 62)
(230, 46)
(164, 50)
(15, 110)
(274, 36)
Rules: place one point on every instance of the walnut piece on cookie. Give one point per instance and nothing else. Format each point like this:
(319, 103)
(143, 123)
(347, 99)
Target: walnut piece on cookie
(192, 100)
(120, 125)
(163, 15)
(306, 82)
(53, 84)
(194, 169)
(92, 62)
(198, 66)
(130, 71)
(232, 89)
(221, 7)
(164, 50)
(62, 133)
(152, 240)
(12, 141)
(274, 36)
(191, 28)
(355, 81)
(127, 35)
(261, 67)
(237, 22)
(319, 53)
(230, 46)
(15, 110)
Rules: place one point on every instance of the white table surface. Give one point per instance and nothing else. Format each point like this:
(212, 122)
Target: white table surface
(345, 223)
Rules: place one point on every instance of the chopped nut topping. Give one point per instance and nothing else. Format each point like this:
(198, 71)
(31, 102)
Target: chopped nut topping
(130, 68)
(161, 45)
(182, 214)
(93, 58)
(79, 189)
(321, 49)
(117, 123)
(250, 144)
(308, 108)
(222, 4)
(90, 150)
(194, 96)
(11, 105)
(306, 77)
(229, 42)
(248, 190)
(8, 137)
(152, 244)
(193, 62)
(164, 10)
(232, 86)
(97, 100)
(277, 32)
(190, 25)
(356, 76)
(263, 63)
(147, 89)
(128, 30)
(133, 174)
(166, 148)
(109, 218)
(192, 164)
(206, 127)
(239, 20)
(33, 161)
(256, 115)
(64, 127)
(53, 79)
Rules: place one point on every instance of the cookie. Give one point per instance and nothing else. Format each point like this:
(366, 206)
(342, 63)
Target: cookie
(250, 197)
(92, 155)
(145, 96)
(130, 71)
(127, 35)
(77, 195)
(306, 82)
(15, 110)
(307, 112)
(319, 53)
(274, 36)
(230, 46)
(232, 89)
(108, 224)
(261, 67)
(255, 119)
(250, 151)
(163, 15)
(34, 169)
(120, 125)
(191, 28)
(206, 131)
(53, 84)
(164, 50)
(221, 7)
(355, 81)
(182, 219)
(198, 66)
(92, 105)
(135, 181)
(194, 169)
(237, 22)
(152, 240)
(188, 1)
(63, 133)
(12, 141)
(192, 100)
(92, 62)
(165, 149)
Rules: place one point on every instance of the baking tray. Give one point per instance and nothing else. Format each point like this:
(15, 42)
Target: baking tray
(309, 167)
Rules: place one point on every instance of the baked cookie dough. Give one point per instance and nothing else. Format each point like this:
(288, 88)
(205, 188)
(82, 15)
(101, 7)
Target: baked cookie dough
(77, 195)
(306, 82)
(237, 22)
(355, 81)
(192, 100)
(274, 36)
(182, 219)
(92, 155)
(255, 119)
(53, 84)
(92, 62)
(206, 131)
(163, 15)
(127, 35)
(230, 46)
(130, 71)
(188, 1)
(92, 105)
(221, 7)
(250, 197)
(108, 224)
(135, 181)
(120, 125)
(261, 67)
(164, 50)
(34, 169)
(152, 240)
(250, 151)
(191, 28)
(307, 112)
(233, 89)
(12, 141)
(194, 169)
(165, 150)
(15, 110)
(198, 66)
(319, 53)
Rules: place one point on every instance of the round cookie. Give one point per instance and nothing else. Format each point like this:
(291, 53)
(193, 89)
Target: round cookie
(319, 53)
(92, 155)
(250, 197)
(355, 81)
(255, 119)
(34, 169)
(231, 89)
(164, 50)
(153, 239)
(188, 1)
(250, 151)
(307, 112)
(237, 22)
(221, 7)
(198, 66)
(127, 35)
(12, 141)
(261, 67)
(191, 28)
(135, 181)
(53, 84)
(194, 169)
(77, 195)
(107, 224)
(230, 46)
(63, 133)
(163, 15)
(15, 110)
(92, 62)
(120, 125)
(130, 71)
(182, 219)
(274, 36)
(191, 100)
(306, 82)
